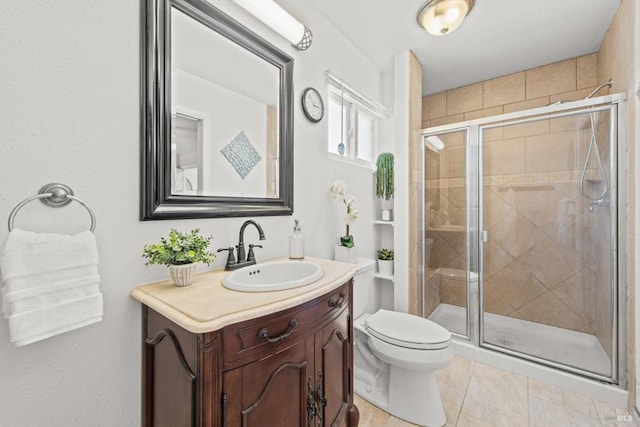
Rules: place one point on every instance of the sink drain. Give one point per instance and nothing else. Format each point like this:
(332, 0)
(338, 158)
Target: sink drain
(504, 341)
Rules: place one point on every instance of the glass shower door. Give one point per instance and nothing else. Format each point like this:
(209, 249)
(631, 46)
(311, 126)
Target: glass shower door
(446, 244)
(548, 287)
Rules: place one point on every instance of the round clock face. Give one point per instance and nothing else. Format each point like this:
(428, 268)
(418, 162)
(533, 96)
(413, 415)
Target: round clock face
(312, 104)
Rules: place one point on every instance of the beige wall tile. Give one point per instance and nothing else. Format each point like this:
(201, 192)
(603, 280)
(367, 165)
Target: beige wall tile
(548, 309)
(540, 127)
(526, 105)
(553, 152)
(579, 293)
(504, 90)
(495, 209)
(432, 165)
(493, 134)
(466, 98)
(551, 263)
(426, 124)
(447, 120)
(495, 303)
(549, 209)
(495, 258)
(434, 106)
(587, 71)
(516, 234)
(453, 139)
(506, 156)
(516, 285)
(485, 112)
(455, 162)
(550, 79)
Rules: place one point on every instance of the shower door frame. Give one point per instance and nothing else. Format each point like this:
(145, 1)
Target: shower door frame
(476, 236)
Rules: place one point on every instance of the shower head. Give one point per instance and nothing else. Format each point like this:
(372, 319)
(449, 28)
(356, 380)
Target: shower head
(609, 83)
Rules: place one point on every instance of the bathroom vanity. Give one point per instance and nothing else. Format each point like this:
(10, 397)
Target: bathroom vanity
(216, 357)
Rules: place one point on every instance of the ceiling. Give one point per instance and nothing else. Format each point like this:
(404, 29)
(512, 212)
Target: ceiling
(498, 37)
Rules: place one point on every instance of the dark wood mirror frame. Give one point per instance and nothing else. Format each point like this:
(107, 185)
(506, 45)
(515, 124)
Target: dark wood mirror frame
(157, 202)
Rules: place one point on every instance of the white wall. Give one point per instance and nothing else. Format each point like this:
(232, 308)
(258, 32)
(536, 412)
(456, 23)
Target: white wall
(69, 112)
(223, 120)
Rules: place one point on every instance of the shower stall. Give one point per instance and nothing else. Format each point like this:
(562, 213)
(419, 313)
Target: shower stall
(524, 234)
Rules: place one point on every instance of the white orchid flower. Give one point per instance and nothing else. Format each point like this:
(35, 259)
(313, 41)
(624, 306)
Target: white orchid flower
(337, 190)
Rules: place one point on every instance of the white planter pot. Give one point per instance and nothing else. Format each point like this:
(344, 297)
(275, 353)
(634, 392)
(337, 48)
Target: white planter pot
(385, 267)
(345, 254)
(182, 275)
(387, 209)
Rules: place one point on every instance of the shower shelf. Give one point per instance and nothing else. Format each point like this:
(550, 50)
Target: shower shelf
(447, 228)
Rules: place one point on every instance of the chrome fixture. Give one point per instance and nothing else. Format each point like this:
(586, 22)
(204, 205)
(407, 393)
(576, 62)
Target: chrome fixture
(441, 17)
(232, 263)
(609, 83)
(279, 20)
(55, 195)
(597, 200)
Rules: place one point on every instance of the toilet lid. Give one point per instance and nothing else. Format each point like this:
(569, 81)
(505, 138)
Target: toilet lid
(407, 330)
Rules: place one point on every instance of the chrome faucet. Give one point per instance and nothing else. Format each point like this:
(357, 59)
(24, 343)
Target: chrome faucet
(242, 259)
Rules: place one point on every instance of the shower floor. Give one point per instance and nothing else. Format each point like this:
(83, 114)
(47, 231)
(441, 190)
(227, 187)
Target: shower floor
(571, 348)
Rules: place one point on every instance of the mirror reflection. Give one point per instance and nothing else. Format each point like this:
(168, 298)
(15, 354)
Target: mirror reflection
(224, 120)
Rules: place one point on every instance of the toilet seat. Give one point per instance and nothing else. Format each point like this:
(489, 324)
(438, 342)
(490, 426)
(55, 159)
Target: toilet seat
(407, 330)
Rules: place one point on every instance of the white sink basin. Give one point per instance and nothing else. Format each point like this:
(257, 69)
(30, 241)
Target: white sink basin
(273, 276)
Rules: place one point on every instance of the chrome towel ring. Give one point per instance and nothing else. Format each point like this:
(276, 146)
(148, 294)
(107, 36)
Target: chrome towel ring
(54, 195)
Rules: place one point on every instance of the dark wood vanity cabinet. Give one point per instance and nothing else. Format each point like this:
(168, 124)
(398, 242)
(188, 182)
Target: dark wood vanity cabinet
(290, 368)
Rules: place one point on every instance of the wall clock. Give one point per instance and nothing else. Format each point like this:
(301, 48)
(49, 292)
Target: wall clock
(312, 105)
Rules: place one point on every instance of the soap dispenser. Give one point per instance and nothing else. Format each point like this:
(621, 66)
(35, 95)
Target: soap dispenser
(296, 242)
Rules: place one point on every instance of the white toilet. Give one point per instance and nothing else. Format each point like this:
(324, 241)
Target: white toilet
(396, 356)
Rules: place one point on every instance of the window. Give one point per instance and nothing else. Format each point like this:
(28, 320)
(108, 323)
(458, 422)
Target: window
(352, 123)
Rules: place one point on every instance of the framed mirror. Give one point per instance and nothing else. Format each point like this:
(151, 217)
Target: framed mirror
(217, 116)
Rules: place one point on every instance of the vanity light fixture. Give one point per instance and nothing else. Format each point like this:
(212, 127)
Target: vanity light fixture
(279, 20)
(441, 17)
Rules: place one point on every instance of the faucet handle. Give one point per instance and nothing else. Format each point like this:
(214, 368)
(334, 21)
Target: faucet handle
(250, 255)
(230, 259)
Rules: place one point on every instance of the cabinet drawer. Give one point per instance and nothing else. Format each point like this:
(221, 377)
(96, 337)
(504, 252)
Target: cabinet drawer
(254, 338)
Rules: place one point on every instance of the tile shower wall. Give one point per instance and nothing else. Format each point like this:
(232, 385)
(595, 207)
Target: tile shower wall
(535, 265)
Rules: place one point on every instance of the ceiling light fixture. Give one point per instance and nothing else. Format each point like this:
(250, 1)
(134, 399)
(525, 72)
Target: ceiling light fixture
(279, 20)
(441, 17)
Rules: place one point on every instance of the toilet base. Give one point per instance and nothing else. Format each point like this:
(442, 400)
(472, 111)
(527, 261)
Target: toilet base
(414, 396)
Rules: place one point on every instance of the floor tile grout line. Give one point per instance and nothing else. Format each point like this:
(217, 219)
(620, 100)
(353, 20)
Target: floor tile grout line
(466, 389)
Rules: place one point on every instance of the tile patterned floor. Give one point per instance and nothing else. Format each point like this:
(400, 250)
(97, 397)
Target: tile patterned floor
(478, 395)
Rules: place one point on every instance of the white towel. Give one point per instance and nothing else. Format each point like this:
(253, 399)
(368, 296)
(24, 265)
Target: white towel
(50, 284)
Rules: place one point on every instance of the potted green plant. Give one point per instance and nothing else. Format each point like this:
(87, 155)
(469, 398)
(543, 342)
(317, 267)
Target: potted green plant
(385, 262)
(384, 183)
(181, 252)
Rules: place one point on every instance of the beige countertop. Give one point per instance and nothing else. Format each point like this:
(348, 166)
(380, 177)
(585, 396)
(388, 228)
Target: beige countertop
(206, 305)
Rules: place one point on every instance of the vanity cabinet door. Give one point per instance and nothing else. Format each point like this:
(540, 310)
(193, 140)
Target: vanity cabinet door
(271, 391)
(333, 372)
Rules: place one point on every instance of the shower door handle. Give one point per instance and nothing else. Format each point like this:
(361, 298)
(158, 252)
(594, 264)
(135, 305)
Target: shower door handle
(484, 235)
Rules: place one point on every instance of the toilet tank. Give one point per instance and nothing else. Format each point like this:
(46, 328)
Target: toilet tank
(362, 284)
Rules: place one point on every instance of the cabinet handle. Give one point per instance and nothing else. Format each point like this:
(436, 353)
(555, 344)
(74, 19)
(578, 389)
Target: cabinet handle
(311, 404)
(322, 399)
(339, 303)
(264, 332)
